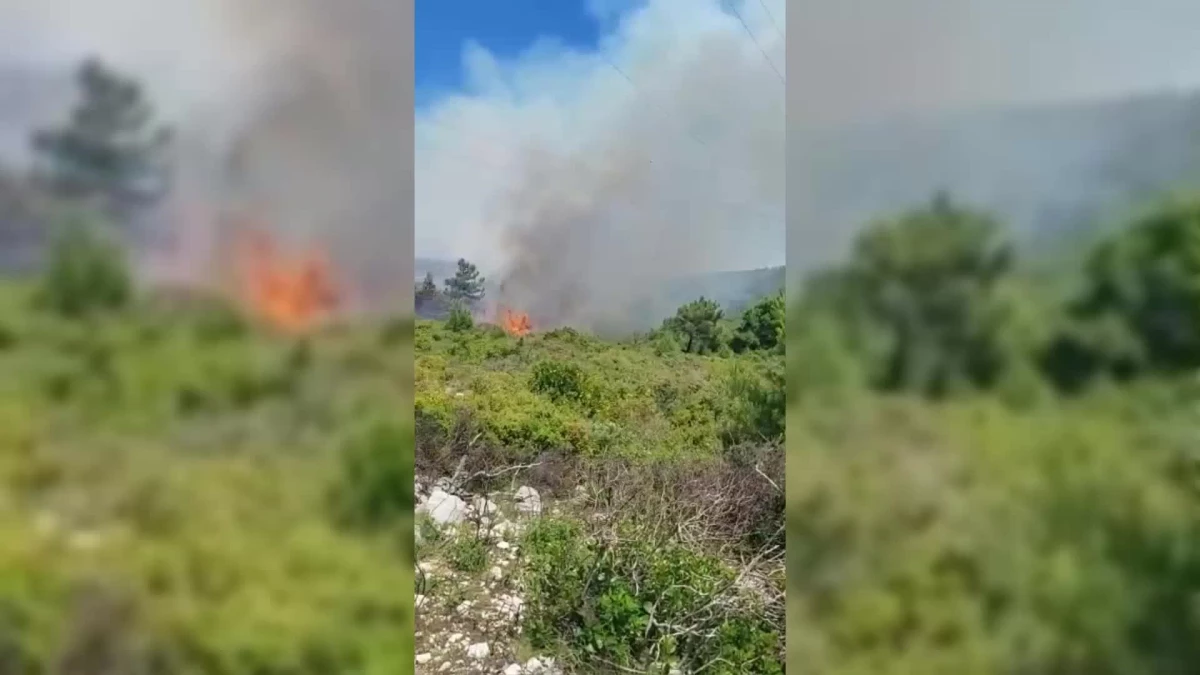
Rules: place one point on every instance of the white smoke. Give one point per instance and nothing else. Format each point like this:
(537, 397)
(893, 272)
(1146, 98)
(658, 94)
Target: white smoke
(298, 109)
(861, 61)
(583, 179)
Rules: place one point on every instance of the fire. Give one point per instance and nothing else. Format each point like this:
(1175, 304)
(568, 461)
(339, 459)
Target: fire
(293, 295)
(516, 323)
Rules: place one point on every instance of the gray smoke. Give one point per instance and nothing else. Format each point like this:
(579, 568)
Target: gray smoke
(295, 111)
(908, 85)
(584, 181)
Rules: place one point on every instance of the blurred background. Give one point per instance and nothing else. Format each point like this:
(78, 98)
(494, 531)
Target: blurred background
(206, 264)
(993, 332)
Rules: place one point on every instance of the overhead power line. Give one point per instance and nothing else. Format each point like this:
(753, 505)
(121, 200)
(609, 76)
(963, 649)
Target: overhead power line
(772, 18)
(736, 13)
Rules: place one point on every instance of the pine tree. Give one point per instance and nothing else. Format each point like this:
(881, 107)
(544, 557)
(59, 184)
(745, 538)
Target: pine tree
(466, 285)
(110, 150)
(428, 297)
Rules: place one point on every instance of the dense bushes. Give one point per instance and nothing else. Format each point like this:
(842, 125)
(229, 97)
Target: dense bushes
(182, 462)
(376, 485)
(637, 604)
(968, 537)
(85, 273)
(564, 392)
(997, 528)
(934, 302)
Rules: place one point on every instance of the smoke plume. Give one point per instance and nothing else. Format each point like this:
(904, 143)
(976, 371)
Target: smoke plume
(292, 114)
(901, 81)
(582, 181)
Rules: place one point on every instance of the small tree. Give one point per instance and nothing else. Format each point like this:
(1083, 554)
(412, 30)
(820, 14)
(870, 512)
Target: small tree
(927, 283)
(460, 318)
(466, 285)
(1140, 306)
(762, 326)
(698, 324)
(429, 301)
(86, 273)
(110, 150)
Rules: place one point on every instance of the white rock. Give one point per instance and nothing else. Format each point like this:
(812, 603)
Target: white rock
(424, 658)
(444, 508)
(513, 669)
(455, 638)
(445, 666)
(528, 500)
(479, 650)
(510, 605)
(497, 573)
(533, 665)
(484, 505)
(503, 545)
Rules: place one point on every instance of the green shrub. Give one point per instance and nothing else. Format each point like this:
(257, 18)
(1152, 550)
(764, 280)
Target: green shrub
(622, 603)
(396, 331)
(219, 322)
(468, 553)
(559, 380)
(761, 326)
(375, 487)
(699, 326)
(427, 530)
(86, 274)
(460, 319)
(8, 337)
(756, 403)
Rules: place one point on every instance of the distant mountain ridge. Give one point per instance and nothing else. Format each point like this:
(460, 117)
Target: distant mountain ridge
(1044, 169)
(733, 290)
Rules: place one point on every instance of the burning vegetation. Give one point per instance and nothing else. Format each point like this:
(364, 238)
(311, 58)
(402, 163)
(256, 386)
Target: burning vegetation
(515, 323)
(291, 294)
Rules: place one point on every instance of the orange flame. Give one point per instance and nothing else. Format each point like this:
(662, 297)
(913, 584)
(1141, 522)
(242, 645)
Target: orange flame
(516, 323)
(291, 295)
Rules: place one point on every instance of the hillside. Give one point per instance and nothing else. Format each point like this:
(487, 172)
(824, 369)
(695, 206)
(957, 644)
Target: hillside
(182, 491)
(551, 458)
(991, 466)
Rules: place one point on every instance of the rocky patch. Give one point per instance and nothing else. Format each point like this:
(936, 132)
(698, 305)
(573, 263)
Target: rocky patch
(468, 583)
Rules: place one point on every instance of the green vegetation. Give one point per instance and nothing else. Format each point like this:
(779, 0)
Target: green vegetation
(991, 471)
(662, 455)
(182, 492)
(85, 274)
(466, 285)
(460, 318)
(637, 600)
(574, 394)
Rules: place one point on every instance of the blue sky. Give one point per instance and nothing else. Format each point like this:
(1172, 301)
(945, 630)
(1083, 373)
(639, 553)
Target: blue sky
(504, 27)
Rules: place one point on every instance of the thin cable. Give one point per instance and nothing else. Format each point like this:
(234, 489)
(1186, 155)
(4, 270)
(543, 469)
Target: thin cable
(749, 32)
(633, 84)
(771, 17)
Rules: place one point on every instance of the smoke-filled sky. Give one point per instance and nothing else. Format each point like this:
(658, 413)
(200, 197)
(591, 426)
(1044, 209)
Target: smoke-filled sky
(581, 175)
(862, 60)
(297, 111)
(583, 170)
